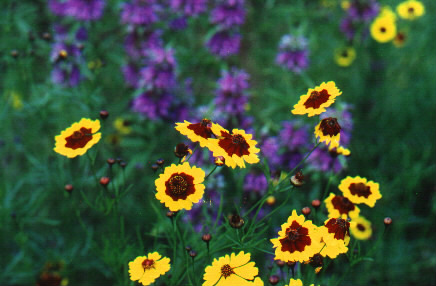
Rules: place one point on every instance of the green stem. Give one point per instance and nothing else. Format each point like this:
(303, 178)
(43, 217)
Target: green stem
(213, 170)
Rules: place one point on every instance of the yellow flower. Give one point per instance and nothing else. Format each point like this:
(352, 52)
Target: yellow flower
(386, 11)
(345, 56)
(340, 151)
(146, 269)
(400, 39)
(359, 190)
(338, 206)
(383, 29)
(296, 282)
(360, 228)
(345, 4)
(122, 126)
(235, 148)
(317, 99)
(335, 234)
(410, 10)
(233, 270)
(197, 132)
(329, 131)
(298, 240)
(77, 139)
(180, 186)
(15, 100)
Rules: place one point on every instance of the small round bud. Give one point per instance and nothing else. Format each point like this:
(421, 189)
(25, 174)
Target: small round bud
(14, 54)
(220, 161)
(104, 181)
(111, 161)
(160, 162)
(123, 164)
(271, 200)
(316, 203)
(206, 237)
(280, 263)
(181, 150)
(235, 221)
(69, 188)
(298, 179)
(188, 248)
(274, 279)
(306, 211)
(154, 167)
(192, 253)
(104, 114)
(290, 264)
(46, 36)
(387, 221)
(170, 214)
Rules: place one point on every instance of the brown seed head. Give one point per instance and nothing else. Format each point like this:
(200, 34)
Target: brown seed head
(235, 221)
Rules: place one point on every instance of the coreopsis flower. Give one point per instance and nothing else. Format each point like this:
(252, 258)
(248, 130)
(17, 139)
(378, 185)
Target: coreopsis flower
(224, 43)
(77, 139)
(122, 126)
(232, 270)
(335, 234)
(293, 53)
(400, 39)
(345, 56)
(317, 99)
(338, 206)
(197, 132)
(410, 10)
(236, 148)
(340, 151)
(146, 269)
(298, 239)
(180, 186)
(296, 282)
(360, 228)
(328, 131)
(383, 29)
(358, 190)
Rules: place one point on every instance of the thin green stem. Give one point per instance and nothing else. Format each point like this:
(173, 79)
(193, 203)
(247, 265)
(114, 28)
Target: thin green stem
(211, 172)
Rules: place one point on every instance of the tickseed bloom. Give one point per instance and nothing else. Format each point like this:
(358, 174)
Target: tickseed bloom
(359, 190)
(317, 99)
(122, 126)
(77, 139)
(336, 236)
(146, 269)
(233, 270)
(235, 148)
(180, 186)
(328, 131)
(345, 56)
(383, 29)
(197, 132)
(410, 10)
(360, 228)
(340, 151)
(296, 282)
(338, 206)
(298, 240)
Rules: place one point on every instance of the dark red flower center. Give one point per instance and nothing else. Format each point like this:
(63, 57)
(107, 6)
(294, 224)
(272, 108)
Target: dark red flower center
(317, 98)
(344, 54)
(411, 10)
(297, 238)
(79, 138)
(316, 260)
(360, 227)
(234, 144)
(400, 37)
(180, 186)
(330, 126)
(227, 270)
(342, 204)
(339, 227)
(202, 129)
(383, 29)
(148, 264)
(360, 190)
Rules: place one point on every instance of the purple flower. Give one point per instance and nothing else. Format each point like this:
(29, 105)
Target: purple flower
(139, 43)
(347, 27)
(159, 72)
(189, 7)
(131, 75)
(322, 160)
(80, 9)
(293, 53)
(224, 43)
(69, 76)
(179, 23)
(270, 149)
(360, 10)
(140, 12)
(152, 104)
(228, 13)
(293, 137)
(255, 183)
(231, 95)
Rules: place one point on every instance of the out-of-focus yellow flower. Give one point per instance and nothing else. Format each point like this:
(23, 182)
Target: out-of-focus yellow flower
(400, 39)
(345, 4)
(383, 29)
(360, 228)
(345, 56)
(122, 126)
(410, 10)
(15, 100)
(386, 11)
(95, 64)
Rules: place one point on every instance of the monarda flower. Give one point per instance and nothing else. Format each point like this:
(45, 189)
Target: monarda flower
(77, 139)
(293, 53)
(84, 10)
(338, 206)
(224, 43)
(231, 95)
(360, 228)
(328, 131)
(189, 8)
(298, 240)
(180, 186)
(141, 13)
(315, 101)
(228, 13)
(359, 190)
(232, 270)
(335, 234)
(146, 269)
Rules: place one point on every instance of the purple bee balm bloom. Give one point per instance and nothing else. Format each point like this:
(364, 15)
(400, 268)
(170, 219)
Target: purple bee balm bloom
(231, 96)
(228, 13)
(363, 10)
(152, 104)
(179, 23)
(255, 183)
(322, 160)
(140, 12)
(189, 7)
(86, 9)
(224, 43)
(270, 149)
(57, 7)
(290, 159)
(293, 53)
(347, 27)
(131, 75)
(292, 136)
(138, 44)
(159, 72)
(66, 75)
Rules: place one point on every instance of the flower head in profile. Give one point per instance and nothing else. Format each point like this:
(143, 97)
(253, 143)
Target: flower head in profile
(345, 56)
(197, 132)
(317, 99)
(236, 148)
(328, 131)
(335, 234)
(360, 228)
(410, 10)
(338, 206)
(77, 139)
(383, 29)
(232, 270)
(146, 269)
(360, 191)
(298, 240)
(180, 186)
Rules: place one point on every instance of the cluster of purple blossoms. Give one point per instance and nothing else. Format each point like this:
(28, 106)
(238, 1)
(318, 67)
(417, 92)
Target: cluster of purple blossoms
(141, 12)
(359, 13)
(66, 56)
(231, 95)
(189, 8)
(293, 53)
(228, 15)
(83, 10)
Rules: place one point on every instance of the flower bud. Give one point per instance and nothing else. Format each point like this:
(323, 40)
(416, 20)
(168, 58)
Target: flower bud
(46, 36)
(154, 167)
(206, 237)
(69, 188)
(171, 214)
(160, 162)
(192, 253)
(235, 221)
(387, 221)
(220, 161)
(306, 211)
(271, 200)
(280, 263)
(274, 279)
(104, 181)
(298, 179)
(104, 114)
(316, 203)
(188, 248)
(110, 161)
(181, 150)
(14, 54)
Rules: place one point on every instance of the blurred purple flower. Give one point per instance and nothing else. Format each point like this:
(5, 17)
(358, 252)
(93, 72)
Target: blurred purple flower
(256, 183)
(66, 76)
(152, 104)
(159, 71)
(270, 149)
(141, 12)
(131, 75)
(228, 13)
(224, 43)
(178, 23)
(231, 95)
(80, 9)
(363, 10)
(138, 43)
(189, 7)
(347, 27)
(293, 53)
(293, 137)
(322, 160)
(345, 119)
